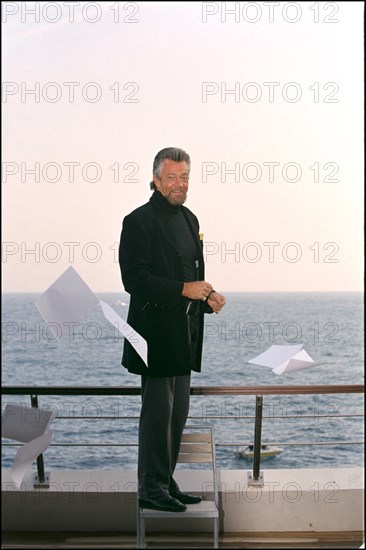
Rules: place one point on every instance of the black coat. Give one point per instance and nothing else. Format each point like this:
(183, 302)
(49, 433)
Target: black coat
(152, 272)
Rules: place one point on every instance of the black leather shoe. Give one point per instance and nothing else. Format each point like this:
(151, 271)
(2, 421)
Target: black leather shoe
(165, 503)
(186, 498)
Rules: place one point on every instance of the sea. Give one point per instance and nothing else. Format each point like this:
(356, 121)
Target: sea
(100, 432)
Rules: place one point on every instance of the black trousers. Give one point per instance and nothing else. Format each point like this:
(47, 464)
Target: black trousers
(164, 411)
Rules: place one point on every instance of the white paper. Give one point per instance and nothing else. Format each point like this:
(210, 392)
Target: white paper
(300, 361)
(67, 300)
(23, 423)
(27, 425)
(26, 454)
(284, 358)
(135, 339)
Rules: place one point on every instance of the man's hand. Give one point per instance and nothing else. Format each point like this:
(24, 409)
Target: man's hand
(216, 301)
(197, 290)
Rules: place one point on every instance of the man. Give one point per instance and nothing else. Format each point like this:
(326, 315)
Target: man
(162, 267)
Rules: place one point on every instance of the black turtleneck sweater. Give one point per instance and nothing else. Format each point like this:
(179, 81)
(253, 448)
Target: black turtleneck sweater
(179, 233)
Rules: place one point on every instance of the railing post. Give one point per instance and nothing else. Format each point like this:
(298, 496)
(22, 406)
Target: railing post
(257, 477)
(40, 479)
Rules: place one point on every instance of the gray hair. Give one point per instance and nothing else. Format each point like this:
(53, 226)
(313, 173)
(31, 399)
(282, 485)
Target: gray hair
(170, 153)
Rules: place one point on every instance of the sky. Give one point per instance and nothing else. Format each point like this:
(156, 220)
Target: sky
(267, 99)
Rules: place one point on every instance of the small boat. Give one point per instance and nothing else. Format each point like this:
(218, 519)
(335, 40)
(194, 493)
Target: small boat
(266, 451)
(120, 303)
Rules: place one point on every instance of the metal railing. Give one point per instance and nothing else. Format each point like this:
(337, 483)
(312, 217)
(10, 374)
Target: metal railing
(256, 478)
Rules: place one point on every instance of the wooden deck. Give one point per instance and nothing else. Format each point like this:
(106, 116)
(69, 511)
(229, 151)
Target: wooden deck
(77, 540)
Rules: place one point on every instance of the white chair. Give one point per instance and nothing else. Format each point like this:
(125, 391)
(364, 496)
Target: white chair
(197, 446)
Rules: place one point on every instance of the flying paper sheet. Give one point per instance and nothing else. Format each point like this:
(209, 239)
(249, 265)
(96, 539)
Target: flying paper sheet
(23, 423)
(26, 455)
(69, 299)
(135, 339)
(26, 424)
(284, 358)
(66, 301)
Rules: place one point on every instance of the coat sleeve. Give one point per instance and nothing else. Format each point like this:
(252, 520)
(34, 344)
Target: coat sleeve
(135, 260)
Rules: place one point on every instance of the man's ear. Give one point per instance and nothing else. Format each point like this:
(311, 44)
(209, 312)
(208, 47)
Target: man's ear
(157, 182)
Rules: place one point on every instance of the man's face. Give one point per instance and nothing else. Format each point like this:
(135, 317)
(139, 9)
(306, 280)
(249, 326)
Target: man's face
(173, 183)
